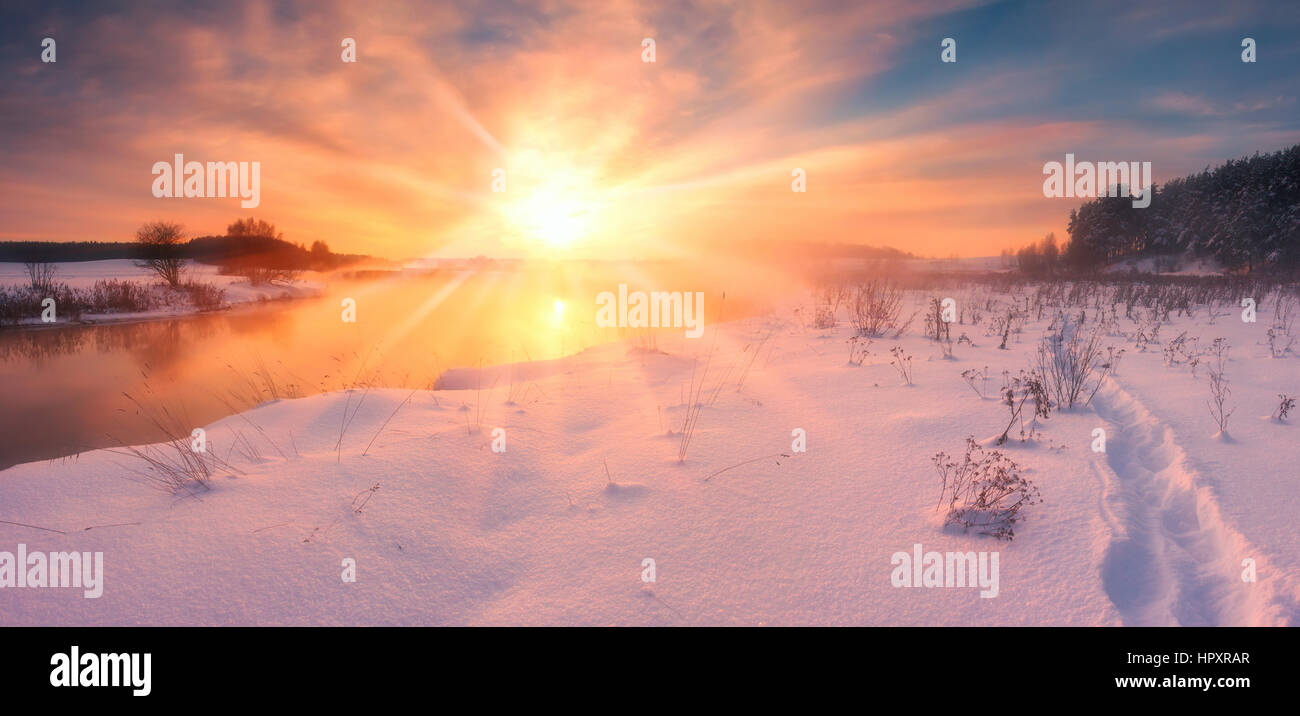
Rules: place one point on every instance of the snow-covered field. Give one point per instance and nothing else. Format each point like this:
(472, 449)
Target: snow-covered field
(84, 274)
(445, 527)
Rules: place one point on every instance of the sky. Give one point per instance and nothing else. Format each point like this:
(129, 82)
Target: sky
(605, 155)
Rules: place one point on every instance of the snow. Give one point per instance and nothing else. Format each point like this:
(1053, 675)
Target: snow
(1151, 532)
(1223, 499)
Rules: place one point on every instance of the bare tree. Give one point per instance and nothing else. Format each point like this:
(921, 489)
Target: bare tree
(253, 227)
(160, 243)
(40, 275)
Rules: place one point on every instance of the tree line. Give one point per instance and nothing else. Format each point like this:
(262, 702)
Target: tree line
(1244, 213)
(249, 244)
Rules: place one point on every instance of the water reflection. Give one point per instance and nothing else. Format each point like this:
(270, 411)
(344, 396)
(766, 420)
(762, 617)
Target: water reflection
(71, 388)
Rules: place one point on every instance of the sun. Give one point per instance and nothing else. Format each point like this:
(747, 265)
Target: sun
(557, 205)
(551, 217)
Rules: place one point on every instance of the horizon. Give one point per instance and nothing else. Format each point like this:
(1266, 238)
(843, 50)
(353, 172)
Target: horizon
(606, 155)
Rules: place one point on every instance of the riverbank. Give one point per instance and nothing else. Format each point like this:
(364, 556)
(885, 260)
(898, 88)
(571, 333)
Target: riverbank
(132, 285)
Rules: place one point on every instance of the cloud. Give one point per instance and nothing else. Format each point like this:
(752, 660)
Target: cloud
(1183, 103)
(394, 155)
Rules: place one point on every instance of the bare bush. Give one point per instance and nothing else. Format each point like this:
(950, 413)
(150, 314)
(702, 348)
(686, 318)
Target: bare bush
(263, 275)
(1005, 326)
(823, 317)
(859, 349)
(1284, 313)
(971, 376)
(828, 303)
(1219, 394)
(874, 308)
(204, 296)
(113, 295)
(1183, 351)
(1071, 364)
(936, 328)
(984, 491)
(902, 362)
(1112, 357)
(1285, 405)
(40, 276)
(104, 296)
(1280, 342)
(1218, 353)
(19, 304)
(1018, 390)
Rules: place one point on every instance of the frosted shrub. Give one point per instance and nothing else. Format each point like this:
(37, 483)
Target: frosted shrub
(823, 317)
(902, 362)
(1285, 405)
(1219, 393)
(1018, 390)
(984, 491)
(972, 376)
(1071, 364)
(859, 349)
(874, 308)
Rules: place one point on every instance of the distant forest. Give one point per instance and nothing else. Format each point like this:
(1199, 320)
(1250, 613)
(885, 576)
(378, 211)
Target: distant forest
(800, 249)
(246, 243)
(1245, 214)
